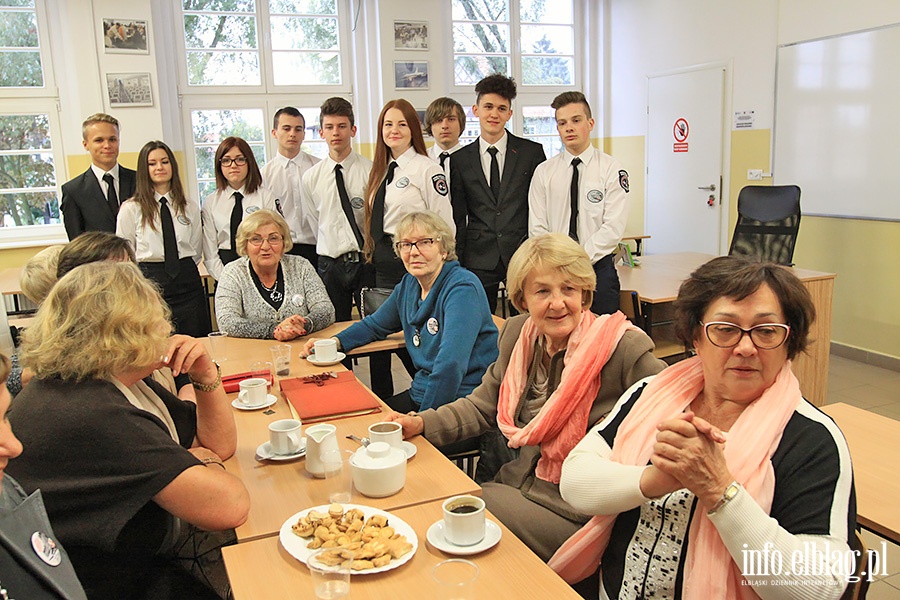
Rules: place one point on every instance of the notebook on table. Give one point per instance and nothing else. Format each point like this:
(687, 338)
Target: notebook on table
(337, 398)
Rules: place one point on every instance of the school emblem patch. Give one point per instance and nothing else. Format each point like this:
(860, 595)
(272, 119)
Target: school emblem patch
(440, 184)
(403, 182)
(623, 180)
(595, 196)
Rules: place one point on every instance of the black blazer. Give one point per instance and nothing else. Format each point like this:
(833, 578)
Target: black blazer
(489, 229)
(84, 205)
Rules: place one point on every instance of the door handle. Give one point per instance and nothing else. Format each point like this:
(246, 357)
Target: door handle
(709, 188)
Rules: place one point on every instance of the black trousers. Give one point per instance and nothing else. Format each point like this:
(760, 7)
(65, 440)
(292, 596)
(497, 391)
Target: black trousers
(606, 296)
(307, 251)
(343, 281)
(490, 280)
(184, 294)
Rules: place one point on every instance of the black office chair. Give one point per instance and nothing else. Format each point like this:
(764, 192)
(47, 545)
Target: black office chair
(768, 222)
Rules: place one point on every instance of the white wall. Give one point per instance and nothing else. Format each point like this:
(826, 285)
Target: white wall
(809, 19)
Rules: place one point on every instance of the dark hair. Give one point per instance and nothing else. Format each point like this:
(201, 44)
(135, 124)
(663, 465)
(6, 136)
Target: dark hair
(336, 107)
(92, 246)
(144, 191)
(496, 84)
(289, 111)
(442, 108)
(573, 97)
(254, 177)
(737, 277)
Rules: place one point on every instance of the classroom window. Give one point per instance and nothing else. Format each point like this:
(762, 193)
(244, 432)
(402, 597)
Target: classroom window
(20, 47)
(27, 172)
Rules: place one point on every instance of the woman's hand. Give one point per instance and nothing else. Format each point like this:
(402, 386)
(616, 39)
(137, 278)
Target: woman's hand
(291, 328)
(412, 424)
(311, 342)
(189, 355)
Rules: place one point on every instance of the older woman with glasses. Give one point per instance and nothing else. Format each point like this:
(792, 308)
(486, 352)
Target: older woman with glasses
(269, 294)
(719, 457)
(444, 316)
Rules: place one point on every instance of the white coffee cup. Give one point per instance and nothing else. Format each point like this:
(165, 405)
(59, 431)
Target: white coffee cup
(389, 432)
(325, 350)
(253, 391)
(284, 436)
(464, 521)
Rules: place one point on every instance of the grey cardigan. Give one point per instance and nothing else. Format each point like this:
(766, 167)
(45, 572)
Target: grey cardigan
(242, 312)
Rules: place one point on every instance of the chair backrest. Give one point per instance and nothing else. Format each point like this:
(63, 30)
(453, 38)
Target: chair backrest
(768, 222)
(630, 305)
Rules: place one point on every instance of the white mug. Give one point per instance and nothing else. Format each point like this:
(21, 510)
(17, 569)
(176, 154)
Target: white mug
(464, 520)
(253, 391)
(325, 350)
(389, 432)
(284, 436)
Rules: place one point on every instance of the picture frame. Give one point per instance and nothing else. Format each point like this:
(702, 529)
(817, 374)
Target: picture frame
(410, 35)
(125, 36)
(410, 74)
(128, 89)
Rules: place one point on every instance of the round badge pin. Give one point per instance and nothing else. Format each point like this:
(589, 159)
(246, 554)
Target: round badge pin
(297, 299)
(417, 341)
(432, 326)
(357, 203)
(403, 182)
(251, 209)
(595, 196)
(184, 220)
(46, 548)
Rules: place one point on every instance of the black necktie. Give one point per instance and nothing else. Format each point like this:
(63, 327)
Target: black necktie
(236, 213)
(573, 197)
(345, 204)
(495, 172)
(111, 198)
(377, 226)
(443, 158)
(170, 246)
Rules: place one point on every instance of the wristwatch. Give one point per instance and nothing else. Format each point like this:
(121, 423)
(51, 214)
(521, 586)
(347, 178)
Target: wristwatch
(209, 387)
(730, 492)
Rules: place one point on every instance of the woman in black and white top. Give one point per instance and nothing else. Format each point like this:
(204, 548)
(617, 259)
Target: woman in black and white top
(164, 229)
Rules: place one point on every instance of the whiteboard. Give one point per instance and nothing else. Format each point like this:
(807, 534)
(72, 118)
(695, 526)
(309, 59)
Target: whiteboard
(837, 123)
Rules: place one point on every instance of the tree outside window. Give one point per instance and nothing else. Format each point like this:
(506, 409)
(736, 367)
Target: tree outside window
(20, 48)
(27, 173)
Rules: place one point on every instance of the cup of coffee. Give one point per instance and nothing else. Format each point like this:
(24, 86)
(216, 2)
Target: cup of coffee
(284, 436)
(253, 391)
(325, 350)
(281, 357)
(464, 520)
(392, 433)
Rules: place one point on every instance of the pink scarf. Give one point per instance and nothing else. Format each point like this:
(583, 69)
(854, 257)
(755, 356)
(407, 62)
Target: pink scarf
(562, 421)
(709, 571)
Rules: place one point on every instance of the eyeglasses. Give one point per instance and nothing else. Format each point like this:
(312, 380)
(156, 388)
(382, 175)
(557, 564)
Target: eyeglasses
(765, 336)
(238, 160)
(420, 245)
(274, 239)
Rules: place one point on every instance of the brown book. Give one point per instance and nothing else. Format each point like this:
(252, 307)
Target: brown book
(337, 398)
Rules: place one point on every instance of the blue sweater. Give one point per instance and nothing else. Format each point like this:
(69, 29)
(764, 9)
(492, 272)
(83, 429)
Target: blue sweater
(457, 336)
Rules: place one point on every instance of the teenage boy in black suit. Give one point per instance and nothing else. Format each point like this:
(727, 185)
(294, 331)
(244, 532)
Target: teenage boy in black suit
(90, 202)
(489, 181)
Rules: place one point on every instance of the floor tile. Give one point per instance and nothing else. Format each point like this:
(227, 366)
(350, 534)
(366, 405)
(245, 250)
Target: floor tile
(887, 410)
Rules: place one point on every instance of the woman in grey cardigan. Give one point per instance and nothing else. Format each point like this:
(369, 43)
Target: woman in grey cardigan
(267, 294)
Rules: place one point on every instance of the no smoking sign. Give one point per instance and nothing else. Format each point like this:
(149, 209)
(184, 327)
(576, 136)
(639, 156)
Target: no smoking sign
(680, 130)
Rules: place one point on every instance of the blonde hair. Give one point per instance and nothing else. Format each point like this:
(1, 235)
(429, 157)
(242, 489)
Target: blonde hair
(551, 251)
(430, 224)
(38, 276)
(259, 219)
(98, 118)
(98, 321)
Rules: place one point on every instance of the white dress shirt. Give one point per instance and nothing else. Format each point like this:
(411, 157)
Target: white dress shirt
(334, 235)
(486, 156)
(99, 173)
(602, 200)
(419, 184)
(148, 244)
(216, 217)
(282, 175)
(435, 153)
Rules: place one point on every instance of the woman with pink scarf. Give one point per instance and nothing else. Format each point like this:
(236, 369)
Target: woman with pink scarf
(560, 369)
(716, 479)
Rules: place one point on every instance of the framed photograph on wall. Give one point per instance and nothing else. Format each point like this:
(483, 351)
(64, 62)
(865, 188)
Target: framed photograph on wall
(125, 36)
(129, 89)
(411, 74)
(410, 35)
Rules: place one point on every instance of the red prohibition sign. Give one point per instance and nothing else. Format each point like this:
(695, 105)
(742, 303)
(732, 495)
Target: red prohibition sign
(681, 130)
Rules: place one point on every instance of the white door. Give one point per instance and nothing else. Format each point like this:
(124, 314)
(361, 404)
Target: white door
(684, 161)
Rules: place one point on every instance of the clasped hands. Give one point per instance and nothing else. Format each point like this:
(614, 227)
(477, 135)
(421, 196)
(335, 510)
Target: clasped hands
(292, 327)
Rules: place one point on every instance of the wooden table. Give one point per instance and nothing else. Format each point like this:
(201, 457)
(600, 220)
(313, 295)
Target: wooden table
(659, 276)
(874, 443)
(638, 242)
(262, 569)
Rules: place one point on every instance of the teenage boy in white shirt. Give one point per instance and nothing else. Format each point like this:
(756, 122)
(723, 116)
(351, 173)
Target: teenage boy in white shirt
(445, 120)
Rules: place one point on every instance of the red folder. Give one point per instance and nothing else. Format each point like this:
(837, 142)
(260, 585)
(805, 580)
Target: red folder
(232, 383)
(340, 397)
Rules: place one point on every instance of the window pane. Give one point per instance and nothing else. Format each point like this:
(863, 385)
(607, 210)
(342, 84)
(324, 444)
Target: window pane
(206, 189)
(306, 68)
(480, 38)
(544, 39)
(480, 10)
(213, 126)
(308, 7)
(219, 5)
(547, 71)
(205, 156)
(18, 29)
(223, 68)
(24, 132)
(537, 11)
(319, 149)
(539, 120)
(21, 69)
(294, 33)
(27, 171)
(469, 70)
(29, 208)
(219, 31)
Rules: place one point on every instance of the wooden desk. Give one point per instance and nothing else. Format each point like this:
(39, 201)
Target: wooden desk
(638, 243)
(874, 443)
(262, 569)
(659, 276)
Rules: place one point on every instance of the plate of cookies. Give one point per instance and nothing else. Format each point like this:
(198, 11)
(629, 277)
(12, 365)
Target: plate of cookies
(373, 540)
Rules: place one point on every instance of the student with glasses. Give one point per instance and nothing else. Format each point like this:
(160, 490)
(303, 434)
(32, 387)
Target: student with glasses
(239, 193)
(441, 310)
(267, 293)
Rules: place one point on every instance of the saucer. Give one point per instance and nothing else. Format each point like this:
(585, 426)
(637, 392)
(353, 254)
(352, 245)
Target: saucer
(435, 537)
(264, 452)
(410, 449)
(326, 363)
(270, 400)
